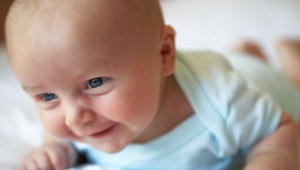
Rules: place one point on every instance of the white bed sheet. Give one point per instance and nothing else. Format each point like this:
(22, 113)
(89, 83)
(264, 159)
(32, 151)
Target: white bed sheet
(20, 128)
(200, 24)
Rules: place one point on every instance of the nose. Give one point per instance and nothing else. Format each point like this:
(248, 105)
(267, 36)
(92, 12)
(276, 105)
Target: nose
(77, 115)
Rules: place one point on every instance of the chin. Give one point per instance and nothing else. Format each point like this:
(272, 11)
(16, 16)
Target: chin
(110, 148)
(113, 143)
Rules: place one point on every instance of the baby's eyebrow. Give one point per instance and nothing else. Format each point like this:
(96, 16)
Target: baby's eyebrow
(32, 89)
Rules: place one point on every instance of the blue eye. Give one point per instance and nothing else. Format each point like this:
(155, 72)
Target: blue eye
(96, 82)
(48, 97)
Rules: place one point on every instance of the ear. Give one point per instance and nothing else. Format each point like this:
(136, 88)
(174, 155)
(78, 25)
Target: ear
(168, 50)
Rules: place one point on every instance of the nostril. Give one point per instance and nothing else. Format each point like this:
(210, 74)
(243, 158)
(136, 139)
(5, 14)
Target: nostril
(88, 116)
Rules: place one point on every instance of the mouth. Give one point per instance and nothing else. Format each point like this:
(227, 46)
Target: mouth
(104, 132)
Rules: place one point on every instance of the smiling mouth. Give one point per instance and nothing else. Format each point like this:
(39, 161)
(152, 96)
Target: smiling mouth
(103, 133)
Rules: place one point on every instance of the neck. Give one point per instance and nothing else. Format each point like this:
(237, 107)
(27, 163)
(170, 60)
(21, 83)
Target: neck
(175, 108)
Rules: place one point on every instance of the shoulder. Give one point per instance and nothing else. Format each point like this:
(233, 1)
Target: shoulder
(203, 60)
(207, 70)
(222, 99)
(210, 74)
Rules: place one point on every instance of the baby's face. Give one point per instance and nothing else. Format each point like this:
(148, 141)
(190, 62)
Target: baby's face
(98, 86)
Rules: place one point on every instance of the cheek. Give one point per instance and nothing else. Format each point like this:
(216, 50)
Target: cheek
(55, 124)
(135, 104)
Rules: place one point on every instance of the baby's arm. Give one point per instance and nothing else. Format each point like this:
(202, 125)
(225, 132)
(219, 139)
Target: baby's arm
(279, 151)
(54, 154)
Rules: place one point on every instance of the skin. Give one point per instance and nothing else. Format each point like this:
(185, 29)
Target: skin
(289, 55)
(60, 56)
(250, 47)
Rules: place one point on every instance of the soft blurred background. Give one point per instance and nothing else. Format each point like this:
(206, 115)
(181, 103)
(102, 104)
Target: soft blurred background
(200, 24)
(217, 25)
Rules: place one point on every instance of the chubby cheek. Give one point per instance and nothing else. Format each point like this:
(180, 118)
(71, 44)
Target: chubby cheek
(55, 124)
(134, 105)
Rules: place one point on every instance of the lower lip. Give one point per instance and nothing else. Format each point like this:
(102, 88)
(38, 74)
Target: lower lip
(104, 133)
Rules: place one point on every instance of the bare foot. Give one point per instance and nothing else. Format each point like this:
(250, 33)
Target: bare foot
(250, 47)
(289, 54)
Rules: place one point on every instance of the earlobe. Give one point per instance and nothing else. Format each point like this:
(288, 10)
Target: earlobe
(168, 51)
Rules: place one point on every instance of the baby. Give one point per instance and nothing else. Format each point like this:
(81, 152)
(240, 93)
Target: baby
(103, 77)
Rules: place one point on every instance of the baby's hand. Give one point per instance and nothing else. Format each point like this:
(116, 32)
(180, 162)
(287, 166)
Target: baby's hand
(54, 156)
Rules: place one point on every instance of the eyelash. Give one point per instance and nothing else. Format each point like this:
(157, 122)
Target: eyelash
(43, 96)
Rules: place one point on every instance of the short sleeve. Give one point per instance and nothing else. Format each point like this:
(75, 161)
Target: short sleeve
(237, 115)
(249, 114)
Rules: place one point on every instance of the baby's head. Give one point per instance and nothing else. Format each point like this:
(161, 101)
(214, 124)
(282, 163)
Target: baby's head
(95, 69)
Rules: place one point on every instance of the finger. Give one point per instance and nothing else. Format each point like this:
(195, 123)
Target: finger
(42, 161)
(71, 155)
(29, 165)
(57, 158)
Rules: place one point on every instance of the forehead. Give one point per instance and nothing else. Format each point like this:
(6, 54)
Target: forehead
(94, 23)
(82, 30)
(57, 30)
